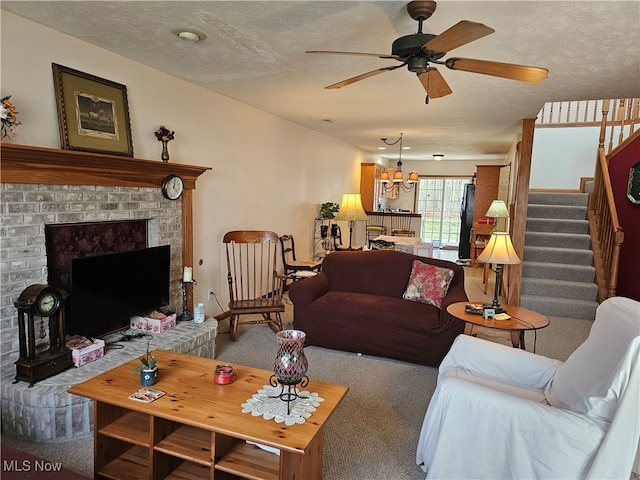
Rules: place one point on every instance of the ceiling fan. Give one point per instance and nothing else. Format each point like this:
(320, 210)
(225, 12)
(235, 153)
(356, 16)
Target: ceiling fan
(419, 50)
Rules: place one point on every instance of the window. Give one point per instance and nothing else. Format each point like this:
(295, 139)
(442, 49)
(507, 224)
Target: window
(439, 200)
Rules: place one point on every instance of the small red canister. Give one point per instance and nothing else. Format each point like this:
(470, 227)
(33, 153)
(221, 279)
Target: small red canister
(224, 375)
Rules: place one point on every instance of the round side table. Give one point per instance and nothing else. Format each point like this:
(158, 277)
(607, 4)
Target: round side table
(521, 321)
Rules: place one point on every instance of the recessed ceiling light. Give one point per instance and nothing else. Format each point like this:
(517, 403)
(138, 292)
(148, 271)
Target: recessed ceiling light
(190, 35)
(382, 148)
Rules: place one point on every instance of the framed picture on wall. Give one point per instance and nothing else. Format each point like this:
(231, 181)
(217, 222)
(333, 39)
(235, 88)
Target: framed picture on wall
(93, 113)
(633, 188)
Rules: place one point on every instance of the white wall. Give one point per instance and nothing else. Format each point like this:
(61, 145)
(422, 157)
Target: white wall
(267, 173)
(561, 156)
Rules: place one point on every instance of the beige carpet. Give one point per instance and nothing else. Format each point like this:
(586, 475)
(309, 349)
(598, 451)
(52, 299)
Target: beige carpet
(374, 432)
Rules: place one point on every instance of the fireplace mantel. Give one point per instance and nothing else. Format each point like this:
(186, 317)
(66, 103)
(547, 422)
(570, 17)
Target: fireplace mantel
(50, 166)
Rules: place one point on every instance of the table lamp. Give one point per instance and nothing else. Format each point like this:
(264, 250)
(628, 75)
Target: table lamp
(499, 251)
(497, 210)
(351, 210)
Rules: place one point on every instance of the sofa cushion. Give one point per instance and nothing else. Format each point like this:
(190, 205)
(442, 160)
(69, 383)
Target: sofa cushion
(428, 283)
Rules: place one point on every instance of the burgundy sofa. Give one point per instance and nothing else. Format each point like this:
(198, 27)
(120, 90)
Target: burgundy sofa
(355, 304)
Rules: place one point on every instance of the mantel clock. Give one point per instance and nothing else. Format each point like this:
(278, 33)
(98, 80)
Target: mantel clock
(38, 362)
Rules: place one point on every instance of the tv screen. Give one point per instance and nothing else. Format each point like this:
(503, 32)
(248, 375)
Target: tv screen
(106, 290)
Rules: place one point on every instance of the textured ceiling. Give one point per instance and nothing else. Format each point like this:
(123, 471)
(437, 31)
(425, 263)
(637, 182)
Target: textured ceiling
(254, 53)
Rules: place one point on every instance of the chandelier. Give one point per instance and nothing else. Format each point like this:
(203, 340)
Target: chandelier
(397, 180)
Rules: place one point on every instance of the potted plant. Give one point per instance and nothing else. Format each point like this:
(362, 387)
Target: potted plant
(148, 370)
(328, 211)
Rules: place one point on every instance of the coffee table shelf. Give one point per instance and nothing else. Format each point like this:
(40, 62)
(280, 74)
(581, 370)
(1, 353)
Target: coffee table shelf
(188, 443)
(134, 463)
(198, 428)
(249, 461)
(131, 427)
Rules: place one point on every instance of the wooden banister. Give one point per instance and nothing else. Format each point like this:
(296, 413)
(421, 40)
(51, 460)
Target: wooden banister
(607, 235)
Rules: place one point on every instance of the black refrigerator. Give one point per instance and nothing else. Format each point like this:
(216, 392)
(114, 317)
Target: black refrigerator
(466, 221)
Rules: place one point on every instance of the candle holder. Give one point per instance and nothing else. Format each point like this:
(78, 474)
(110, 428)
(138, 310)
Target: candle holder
(186, 316)
(289, 366)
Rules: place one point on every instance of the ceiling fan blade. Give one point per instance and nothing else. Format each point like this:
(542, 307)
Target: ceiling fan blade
(377, 55)
(362, 76)
(434, 83)
(460, 34)
(512, 71)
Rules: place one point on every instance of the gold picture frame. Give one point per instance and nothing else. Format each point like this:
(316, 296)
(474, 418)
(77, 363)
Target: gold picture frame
(93, 113)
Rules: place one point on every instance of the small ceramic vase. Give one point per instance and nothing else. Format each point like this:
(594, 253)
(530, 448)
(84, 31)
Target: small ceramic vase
(148, 377)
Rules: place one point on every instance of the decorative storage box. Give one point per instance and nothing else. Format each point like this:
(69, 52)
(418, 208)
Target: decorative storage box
(152, 324)
(82, 355)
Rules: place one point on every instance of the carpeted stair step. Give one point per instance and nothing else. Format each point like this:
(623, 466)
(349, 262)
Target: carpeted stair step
(557, 272)
(544, 287)
(557, 240)
(557, 211)
(548, 198)
(571, 256)
(556, 225)
(571, 273)
(560, 307)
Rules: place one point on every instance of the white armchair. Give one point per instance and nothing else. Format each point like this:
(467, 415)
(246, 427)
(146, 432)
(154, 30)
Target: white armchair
(501, 412)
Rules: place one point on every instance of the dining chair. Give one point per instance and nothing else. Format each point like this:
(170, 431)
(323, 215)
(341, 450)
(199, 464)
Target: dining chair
(295, 269)
(375, 226)
(401, 225)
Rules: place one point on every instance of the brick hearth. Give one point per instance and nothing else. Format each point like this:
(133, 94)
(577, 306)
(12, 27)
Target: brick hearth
(47, 413)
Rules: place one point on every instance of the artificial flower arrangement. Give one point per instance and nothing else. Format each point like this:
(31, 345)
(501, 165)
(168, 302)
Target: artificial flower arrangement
(9, 118)
(164, 135)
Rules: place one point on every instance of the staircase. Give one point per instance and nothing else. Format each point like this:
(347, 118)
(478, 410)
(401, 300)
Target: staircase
(557, 273)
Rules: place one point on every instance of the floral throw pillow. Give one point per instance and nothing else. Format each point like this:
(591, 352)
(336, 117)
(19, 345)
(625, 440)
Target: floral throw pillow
(428, 283)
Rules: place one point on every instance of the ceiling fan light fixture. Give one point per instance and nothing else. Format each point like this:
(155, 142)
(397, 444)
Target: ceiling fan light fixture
(438, 156)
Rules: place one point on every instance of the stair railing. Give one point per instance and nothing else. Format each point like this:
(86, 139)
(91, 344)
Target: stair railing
(607, 235)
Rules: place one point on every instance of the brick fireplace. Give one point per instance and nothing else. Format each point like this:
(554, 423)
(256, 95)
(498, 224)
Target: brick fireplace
(48, 187)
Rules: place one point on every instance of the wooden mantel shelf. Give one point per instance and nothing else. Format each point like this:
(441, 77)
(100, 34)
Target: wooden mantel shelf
(50, 166)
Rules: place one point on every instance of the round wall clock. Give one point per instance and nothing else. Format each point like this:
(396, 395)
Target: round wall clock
(172, 187)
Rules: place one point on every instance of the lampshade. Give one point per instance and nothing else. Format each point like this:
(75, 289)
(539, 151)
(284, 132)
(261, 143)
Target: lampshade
(499, 250)
(498, 209)
(397, 176)
(384, 177)
(413, 177)
(351, 208)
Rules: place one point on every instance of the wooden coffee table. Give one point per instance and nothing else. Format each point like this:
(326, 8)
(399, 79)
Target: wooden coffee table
(521, 321)
(197, 430)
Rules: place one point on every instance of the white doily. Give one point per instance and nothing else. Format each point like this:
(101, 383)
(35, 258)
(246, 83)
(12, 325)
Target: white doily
(263, 404)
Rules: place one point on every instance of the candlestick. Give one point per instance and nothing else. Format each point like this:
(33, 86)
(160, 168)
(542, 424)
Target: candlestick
(186, 316)
(188, 274)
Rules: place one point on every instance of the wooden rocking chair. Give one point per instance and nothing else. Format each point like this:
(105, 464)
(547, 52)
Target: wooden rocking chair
(254, 285)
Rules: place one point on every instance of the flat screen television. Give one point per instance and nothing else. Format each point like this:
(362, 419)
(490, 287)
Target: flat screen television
(106, 290)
